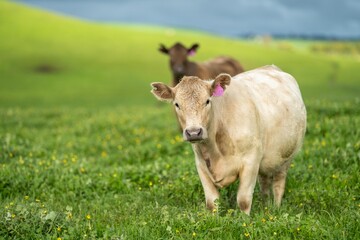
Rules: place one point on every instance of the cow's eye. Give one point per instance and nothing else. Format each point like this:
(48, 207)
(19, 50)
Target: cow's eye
(207, 102)
(177, 105)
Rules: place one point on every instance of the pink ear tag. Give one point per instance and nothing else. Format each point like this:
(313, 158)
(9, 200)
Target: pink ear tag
(219, 91)
(191, 52)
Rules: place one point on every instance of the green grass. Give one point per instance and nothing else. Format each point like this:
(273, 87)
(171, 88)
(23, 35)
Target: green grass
(87, 153)
(136, 179)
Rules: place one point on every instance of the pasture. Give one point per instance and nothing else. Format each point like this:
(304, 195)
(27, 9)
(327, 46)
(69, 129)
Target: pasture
(87, 153)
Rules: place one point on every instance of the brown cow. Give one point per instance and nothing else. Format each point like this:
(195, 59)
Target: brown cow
(246, 127)
(181, 66)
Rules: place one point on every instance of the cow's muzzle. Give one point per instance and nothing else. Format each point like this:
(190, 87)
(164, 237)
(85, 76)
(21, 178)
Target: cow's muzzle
(193, 134)
(179, 70)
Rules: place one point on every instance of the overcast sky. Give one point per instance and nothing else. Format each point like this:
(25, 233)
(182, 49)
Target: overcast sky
(337, 18)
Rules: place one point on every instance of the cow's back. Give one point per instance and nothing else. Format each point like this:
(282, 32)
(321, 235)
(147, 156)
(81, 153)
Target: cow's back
(275, 112)
(219, 65)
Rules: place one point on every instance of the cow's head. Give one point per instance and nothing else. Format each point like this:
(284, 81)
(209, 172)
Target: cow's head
(178, 56)
(192, 99)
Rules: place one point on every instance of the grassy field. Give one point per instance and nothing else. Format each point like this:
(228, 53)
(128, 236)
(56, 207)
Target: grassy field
(87, 153)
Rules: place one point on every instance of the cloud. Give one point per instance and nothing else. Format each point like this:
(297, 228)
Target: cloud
(227, 17)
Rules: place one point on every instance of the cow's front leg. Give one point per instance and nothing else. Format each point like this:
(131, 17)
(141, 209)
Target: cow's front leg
(248, 175)
(210, 190)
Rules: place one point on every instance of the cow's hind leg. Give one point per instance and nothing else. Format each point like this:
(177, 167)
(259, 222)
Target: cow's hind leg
(279, 183)
(265, 184)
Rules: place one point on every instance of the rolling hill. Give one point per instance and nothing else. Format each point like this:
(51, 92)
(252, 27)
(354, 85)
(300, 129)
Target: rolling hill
(52, 60)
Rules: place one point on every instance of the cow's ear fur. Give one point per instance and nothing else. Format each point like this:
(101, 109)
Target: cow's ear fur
(163, 49)
(223, 80)
(192, 50)
(162, 92)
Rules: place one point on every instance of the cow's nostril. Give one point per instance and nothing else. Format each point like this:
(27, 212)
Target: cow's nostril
(188, 134)
(200, 132)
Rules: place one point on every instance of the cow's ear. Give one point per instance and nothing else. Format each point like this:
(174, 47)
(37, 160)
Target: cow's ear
(192, 50)
(163, 49)
(219, 85)
(162, 92)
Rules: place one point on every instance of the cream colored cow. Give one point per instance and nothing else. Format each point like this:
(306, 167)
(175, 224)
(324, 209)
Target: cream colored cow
(246, 127)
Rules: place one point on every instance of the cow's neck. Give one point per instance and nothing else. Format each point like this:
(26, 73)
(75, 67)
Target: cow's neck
(191, 68)
(209, 147)
(219, 140)
(176, 78)
(208, 152)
